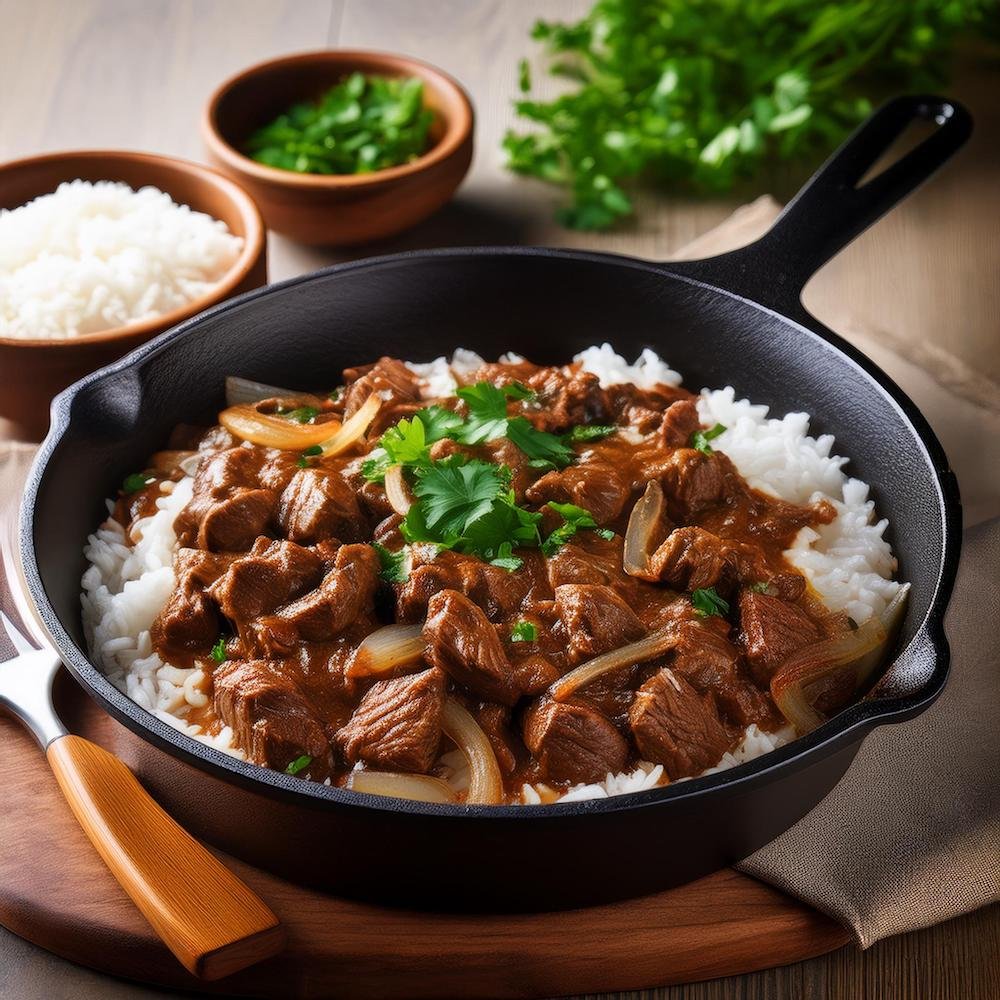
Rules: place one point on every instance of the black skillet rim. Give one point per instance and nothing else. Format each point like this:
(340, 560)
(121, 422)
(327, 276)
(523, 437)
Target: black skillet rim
(849, 726)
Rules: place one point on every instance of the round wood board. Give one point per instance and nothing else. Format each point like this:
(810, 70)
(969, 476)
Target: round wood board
(55, 891)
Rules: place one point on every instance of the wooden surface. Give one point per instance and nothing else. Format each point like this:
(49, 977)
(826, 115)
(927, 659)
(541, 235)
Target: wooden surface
(920, 293)
(54, 891)
(212, 923)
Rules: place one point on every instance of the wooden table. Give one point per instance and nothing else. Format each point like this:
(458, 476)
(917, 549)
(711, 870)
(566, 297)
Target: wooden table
(923, 290)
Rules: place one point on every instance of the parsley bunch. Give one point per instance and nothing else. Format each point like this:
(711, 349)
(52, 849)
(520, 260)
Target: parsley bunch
(362, 124)
(700, 94)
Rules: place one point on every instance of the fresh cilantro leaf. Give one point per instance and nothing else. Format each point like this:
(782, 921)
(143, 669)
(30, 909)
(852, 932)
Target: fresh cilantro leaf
(438, 422)
(589, 432)
(135, 482)
(494, 535)
(299, 764)
(406, 442)
(574, 519)
(487, 418)
(707, 602)
(518, 390)
(393, 564)
(538, 445)
(524, 631)
(700, 439)
(302, 414)
(219, 651)
(302, 462)
(316, 449)
(374, 467)
(541, 463)
(452, 496)
(506, 559)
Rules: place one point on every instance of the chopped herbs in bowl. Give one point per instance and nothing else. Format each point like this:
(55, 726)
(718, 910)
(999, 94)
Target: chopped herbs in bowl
(360, 125)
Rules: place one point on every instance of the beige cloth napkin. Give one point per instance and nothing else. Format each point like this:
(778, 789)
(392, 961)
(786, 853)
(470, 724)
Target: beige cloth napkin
(911, 835)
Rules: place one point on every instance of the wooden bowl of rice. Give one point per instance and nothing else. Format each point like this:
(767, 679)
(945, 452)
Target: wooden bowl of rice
(33, 369)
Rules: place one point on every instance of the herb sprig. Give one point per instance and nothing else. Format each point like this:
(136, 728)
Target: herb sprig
(707, 602)
(698, 95)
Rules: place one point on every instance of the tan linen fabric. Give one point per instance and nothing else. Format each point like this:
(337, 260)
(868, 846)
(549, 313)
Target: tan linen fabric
(911, 836)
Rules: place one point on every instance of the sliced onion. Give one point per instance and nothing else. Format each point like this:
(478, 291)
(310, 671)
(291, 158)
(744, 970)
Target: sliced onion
(272, 431)
(845, 660)
(165, 462)
(640, 536)
(418, 787)
(241, 391)
(485, 784)
(397, 490)
(650, 646)
(390, 647)
(354, 428)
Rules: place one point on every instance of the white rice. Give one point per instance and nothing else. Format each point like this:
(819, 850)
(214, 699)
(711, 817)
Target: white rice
(848, 562)
(92, 256)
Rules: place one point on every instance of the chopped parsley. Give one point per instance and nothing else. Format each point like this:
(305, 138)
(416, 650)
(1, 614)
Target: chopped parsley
(301, 414)
(524, 631)
(393, 564)
(219, 651)
(707, 602)
(700, 439)
(299, 764)
(408, 442)
(574, 519)
(539, 446)
(589, 432)
(310, 452)
(136, 481)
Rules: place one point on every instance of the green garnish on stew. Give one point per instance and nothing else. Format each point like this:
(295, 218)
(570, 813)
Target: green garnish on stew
(700, 439)
(589, 432)
(299, 764)
(574, 519)
(219, 651)
(362, 124)
(135, 482)
(393, 564)
(301, 414)
(707, 601)
(524, 631)
(760, 587)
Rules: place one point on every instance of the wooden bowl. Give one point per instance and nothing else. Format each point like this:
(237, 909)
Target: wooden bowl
(33, 371)
(342, 209)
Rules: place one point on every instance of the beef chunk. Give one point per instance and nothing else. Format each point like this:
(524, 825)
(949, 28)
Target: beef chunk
(189, 620)
(773, 629)
(535, 673)
(397, 725)
(390, 378)
(692, 482)
(430, 572)
(269, 575)
(228, 509)
(494, 720)
(586, 558)
(595, 486)
(706, 658)
(278, 469)
(343, 597)
(565, 398)
(503, 451)
(318, 504)
(680, 421)
(573, 742)
(596, 619)
(693, 558)
(462, 642)
(675, 726)
(271, 720)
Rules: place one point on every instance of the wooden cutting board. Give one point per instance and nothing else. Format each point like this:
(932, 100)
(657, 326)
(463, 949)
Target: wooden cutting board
(55, 891)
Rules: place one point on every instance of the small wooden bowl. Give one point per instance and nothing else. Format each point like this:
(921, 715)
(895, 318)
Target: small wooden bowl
(342, 209)
(33, 371)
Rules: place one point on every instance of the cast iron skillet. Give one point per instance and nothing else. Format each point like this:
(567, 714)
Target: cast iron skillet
(732, 320)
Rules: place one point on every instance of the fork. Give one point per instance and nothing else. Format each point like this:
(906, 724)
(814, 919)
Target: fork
(213, 923)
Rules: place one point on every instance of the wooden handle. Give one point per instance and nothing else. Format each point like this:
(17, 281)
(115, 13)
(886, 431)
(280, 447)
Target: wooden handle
(205, 915)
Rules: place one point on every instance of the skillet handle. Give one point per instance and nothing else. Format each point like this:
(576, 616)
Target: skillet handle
(831, 210)
(206, 916)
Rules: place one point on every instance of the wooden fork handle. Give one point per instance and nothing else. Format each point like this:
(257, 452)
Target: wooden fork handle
(205, 915)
